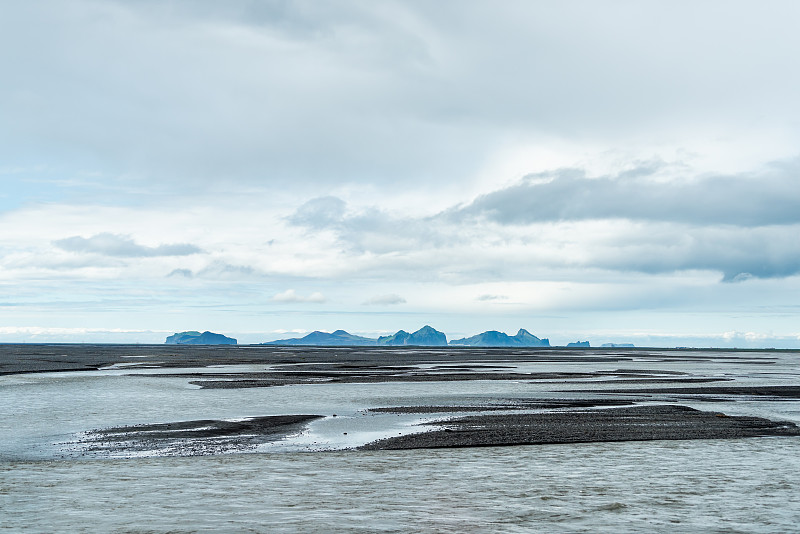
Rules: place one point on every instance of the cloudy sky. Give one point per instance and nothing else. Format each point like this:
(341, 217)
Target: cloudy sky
(623, 171)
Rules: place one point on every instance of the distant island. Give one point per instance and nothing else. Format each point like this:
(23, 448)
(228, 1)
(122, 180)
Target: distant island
(196, 338)
(579, 344)
(424, 337)
(339, 338)
(493, 338)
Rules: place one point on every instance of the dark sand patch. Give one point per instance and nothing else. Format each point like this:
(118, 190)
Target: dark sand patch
(637, 423)
(192, 438)
(515, 404)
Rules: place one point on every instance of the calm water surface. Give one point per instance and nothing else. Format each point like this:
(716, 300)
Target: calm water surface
(712, 486)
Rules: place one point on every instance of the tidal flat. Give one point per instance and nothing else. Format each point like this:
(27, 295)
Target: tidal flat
(577, 395)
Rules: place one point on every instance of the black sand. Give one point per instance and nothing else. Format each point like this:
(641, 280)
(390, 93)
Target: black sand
(638, 423)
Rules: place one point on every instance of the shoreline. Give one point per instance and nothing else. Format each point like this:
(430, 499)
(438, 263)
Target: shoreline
(37, 358)
(552, 395)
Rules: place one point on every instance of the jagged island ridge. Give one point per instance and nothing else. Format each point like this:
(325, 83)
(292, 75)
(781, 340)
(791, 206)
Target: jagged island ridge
(196, 338)
(425, 336)
(338, 338)
(493, 338)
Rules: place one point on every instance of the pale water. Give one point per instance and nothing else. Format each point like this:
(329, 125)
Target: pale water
(47, 484)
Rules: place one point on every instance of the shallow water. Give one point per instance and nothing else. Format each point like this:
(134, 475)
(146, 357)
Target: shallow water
(48, 484)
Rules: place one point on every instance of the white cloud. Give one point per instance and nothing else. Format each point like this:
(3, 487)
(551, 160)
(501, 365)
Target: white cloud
(291, 296)
(488, 297)
(388, 299)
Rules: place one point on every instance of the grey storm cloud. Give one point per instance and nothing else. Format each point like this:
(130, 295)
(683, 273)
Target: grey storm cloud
(122, 246)
(768, 198)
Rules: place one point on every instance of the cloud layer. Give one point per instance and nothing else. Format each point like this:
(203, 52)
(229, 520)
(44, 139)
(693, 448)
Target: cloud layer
(282, 92)
(769, 197)
(122, 246)
(644, 220)
(268, 166)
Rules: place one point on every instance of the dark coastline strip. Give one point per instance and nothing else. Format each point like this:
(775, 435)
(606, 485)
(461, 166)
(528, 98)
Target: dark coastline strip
(639, 423)
(789, 392)
(32, 358)
(261, 380)
(511, 404)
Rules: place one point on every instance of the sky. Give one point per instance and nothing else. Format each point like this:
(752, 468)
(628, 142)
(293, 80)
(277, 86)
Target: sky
(617, 171)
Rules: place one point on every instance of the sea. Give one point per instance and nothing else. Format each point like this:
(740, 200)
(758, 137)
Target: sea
(314, 481)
